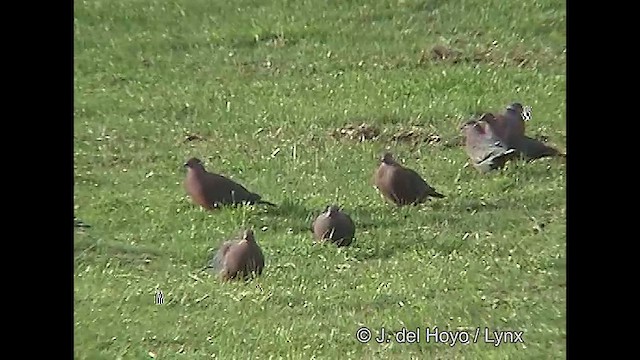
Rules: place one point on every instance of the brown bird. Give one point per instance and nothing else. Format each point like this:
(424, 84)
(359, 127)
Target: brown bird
(211, 190)
(510, 126)
(484, 148)
(335, 226)
(402, 185)
(238, 258)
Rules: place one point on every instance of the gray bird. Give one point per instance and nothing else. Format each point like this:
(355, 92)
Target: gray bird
(211, 190)
(238, 258)
(402, 185)
(485, 150)
(335, 226)
(510, 126)
(532, 149)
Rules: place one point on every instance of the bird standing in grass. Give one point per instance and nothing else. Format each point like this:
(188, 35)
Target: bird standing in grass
(211, 190)
(238, 258)
(485, 150)
(510, 126)
(335, 226)
(402, 185)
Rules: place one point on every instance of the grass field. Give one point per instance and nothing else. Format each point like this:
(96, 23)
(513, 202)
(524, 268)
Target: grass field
(259, 89)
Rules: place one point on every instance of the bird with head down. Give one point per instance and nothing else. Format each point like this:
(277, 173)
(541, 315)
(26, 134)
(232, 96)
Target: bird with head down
(211, 190)
(510, 129)
(484, 149)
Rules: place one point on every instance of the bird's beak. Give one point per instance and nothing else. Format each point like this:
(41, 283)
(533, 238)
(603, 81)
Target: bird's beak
(466, 124)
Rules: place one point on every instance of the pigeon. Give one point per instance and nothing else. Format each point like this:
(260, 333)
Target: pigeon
(485, 150)
(238, 258)
(335, 226)
(211, 190)
(510, 126)
(532, 149)
(402, 185)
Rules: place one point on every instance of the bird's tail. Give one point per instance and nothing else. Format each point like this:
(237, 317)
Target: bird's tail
(437, 195)
(509, 153)
(264, 202)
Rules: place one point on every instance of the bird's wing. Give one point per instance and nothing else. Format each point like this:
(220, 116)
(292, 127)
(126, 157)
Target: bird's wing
(219, 259)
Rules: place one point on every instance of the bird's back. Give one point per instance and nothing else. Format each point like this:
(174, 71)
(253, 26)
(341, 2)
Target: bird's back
(218, 261)
(417, 182)
(482, 143)
(226, 191)
(347, 228)
(508, 127)
(243, 258)
(338, 226)
(400, 184)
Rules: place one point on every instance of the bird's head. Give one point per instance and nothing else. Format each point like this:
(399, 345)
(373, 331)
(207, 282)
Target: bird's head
(248, 235)
(331, 210)
(387, 158)
(193, 163)
(474, 126)
(468, 124)
(515, 108)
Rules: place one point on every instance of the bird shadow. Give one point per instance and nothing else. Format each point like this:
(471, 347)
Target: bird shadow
(474, 206)
(423, 244)
(287, 208)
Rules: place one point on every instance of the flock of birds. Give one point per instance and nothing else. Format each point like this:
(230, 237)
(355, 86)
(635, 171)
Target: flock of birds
(490, 141)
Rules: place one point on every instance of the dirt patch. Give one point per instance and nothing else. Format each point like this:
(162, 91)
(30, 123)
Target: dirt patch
(440, 53)
(192, 137)
(455, 141)
(415, 134)
(488, 54)
(412, 134)
(541, 137)
(362, 132)
(270, 39)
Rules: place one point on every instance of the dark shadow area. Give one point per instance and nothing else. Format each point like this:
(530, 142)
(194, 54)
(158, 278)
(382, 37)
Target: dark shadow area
(488, 54)
(398, 130)
(474, 205)
(287, 208)
(85, 245)
(421, 244)
(266, 38)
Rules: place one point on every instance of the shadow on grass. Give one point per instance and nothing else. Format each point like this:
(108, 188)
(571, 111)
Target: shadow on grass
(474, 206)
(422, 245)
(86, 246)
(288, 208)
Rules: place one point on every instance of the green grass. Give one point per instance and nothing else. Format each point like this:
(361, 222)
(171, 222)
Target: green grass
(264, 83)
